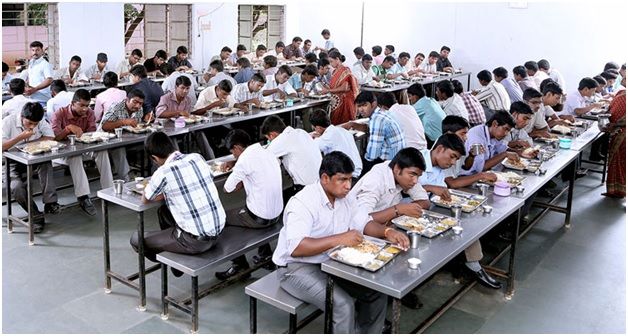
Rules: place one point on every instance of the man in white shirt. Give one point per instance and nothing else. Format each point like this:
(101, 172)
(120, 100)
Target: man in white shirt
(331, 138)
(430, 66)
(299, 154)
(39, 74)
(15, 104)
(6, 76)
(493, 95)
(257, 171)
(73, 72)
(358, 52)
(258, 55)
(223, 57)
(450, 101)
(327, 43)
(124, 68)
(518, 138)
(576, 104)
(277, 85)
(217, 73)
(406, 117)
(99, 69)
(322, 216)
(249, 92)
(363, 71)
(533, 71)
(278, 51)
(537, 127)
(544, 66)
(60, 98)
(215, 96)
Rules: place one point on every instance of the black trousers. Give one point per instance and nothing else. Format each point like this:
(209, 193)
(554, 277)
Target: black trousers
(247, 219)
(171, 238)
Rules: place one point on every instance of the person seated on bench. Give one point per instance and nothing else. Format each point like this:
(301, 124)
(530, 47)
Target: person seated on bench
(518, 139)
(192, 216)
(299, 154)
(440, 171)
(257, 171)
(321, 216)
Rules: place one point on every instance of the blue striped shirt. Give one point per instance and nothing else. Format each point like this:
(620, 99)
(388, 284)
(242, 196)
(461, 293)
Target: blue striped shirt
(385, 137)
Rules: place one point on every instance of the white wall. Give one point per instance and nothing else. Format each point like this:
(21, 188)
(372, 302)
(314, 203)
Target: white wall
(85, 29)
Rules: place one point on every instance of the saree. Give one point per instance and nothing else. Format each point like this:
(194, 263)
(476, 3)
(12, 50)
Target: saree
(616, 182)
(342, 105)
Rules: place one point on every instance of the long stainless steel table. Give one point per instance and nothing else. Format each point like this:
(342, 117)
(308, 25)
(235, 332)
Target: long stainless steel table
(397, 280)
(427, 81)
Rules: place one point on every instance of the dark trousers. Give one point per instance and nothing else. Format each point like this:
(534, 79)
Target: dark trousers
(18, 186)
(599, 146)
(171, 238)
(246, 219)
(288, 193)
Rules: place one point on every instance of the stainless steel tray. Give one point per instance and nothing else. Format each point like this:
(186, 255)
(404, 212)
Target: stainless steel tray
(430, 225)
(386, 253)
(468, 201)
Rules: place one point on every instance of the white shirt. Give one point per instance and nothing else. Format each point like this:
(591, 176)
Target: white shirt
(558, 78)
(517, 134)
(15, 105)
(377, 190)
(538, 120)
(65, 72)
(12, 126)
(93, 70)
(339, 139)
(125, 66)
(259, 172)
(169, 84)
(208, 96)
(411, 125)
(429, 68)
(547, 110)
(271, 83)
(38, 71)
(539, 76)
(6, 80)
(362, 75)
(574, 100)
(273, 52)
(219, 77)
(454, 105)
(62, 99)
(310, 214)
(494, 96)
(299, 154)
(241, 93)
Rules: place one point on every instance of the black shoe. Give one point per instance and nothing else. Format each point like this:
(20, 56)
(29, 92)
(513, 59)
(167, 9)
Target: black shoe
(387, 328)
(411, 301)
(258, 259)
(546, 193)
(506, 235)
(486, 280)
(52, 208)
(87, 206)
(581, 173)
(38, 224)
(175, 272)
(232, 271)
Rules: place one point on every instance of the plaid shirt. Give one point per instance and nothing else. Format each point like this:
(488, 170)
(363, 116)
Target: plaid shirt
(186, 182)
(385, 137)
(241, 93)
(119, 111)
(475, 109)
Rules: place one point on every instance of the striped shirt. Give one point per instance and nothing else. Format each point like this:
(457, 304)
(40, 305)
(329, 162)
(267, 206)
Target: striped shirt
(385, 137)
(494, 96)
(474, 108)
(119, 111)
(191, 196)
(513, 89)
(241, 93)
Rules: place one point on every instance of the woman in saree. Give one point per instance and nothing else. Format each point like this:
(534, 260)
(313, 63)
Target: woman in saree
(343, 88)
(616, 181)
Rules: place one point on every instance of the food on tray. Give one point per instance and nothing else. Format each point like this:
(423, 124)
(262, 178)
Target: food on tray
(511, 178)
(448, 221)
(219, 168)
(95, 136)
(392, 250)
(39, 146)
(383, 256)
(414, 224)
(374, 265)
(225, 110)
(367, 247)
(530, 151)
(353, 256)
(561, 129)
(515, 164)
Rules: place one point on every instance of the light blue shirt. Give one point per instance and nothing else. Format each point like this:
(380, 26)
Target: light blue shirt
(431, 115)
(295, 81)
(397, 68)
(433, 175)
(513, 89)
(480, 135)
(339, 139)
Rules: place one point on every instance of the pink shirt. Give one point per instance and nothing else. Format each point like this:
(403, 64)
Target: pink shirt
(168, 102)
(107, 98)
(64, 117)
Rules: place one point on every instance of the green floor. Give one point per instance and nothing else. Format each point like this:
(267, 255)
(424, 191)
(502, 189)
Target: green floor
(567, 281)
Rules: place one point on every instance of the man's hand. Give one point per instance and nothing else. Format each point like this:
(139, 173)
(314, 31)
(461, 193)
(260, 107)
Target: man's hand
(129, 122)
(30, 90)
(350, 238)
(567, 117)
(398, 238)
(410, 209)
(74, 130)
(26, 134)
(148, 117)
(488, 177)
(512, 156)
(443, 192)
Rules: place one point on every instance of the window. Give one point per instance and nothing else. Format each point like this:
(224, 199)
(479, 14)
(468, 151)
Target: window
(23, 23)
(260, 24)
(151, 27)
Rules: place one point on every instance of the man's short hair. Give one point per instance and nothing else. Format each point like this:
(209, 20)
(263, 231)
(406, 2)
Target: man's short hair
(183, 80)
(161, 54)
(297, 39)
(458, 88)
(81, 94)
(454, 123)
(36, 44)
(408, 157)
(310, 70)
(450, 141)
(390, 47)
(225, 85)
(608, 75)
(334, 163)
(323, 62)
(110, 79)
(311, 57)
(531, 93)
(284, 69)
(243, 62)
(307, 41)
(367, 57)
(446, 87)
(258, 78)
(167, 69)
(607, 66)
(358, 51)
(520, 107)
(102, 57)
(272, 124)
(57, 86)
(404, 54)
(434, 54)
(386, 99)
(135, 93)
(217, 65)
(139, 70)
(76, 58)
(390, 59)
(261, 47)
(5, 67)
(551, 87)
(500, 72)
(320, 118)
(279, 45)
(365, 97)
(182, 50)
(502, 118)
(17, 86)
(531, 65)
(241, 47)
(137, 53)
(419, 54)
(225, 48)
(270, 60)
(376, 50)
(445, 48)
(325, 32)
(600, 80)
(544, 64)
(159, 144)
(237, 137)
(484, 76)
(587, 83)
(33, 111)
(416, 89)
(520, 70)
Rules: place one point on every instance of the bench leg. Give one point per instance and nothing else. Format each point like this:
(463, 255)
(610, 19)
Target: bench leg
(194, 305)
(253, 315)
(164, 291)
(329, 306)
(293, 324)
(106, 249)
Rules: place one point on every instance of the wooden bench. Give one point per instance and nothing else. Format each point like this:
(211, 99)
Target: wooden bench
(233, 242)
(267, 290)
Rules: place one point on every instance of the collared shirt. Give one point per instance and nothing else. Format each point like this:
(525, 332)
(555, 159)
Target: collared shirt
(548, 111)
(169, 102)
(494, 96)
(38, 71)
(217, 58)
(385, 137)
(380, 72)
(175, 63)
(513, 89)
(119, 111)
(433, 175)
(191, 196)
(125, 66)
(296, 82)
(150, 65)
(329, 44)
(429, 68)
(170, 83)
(93, 70)
(219, 77)
(15, 105)
(244, 75)
(290, 51)
(474, 108)
(339, 139)
(260, 174)
(64, 117)
(431, 115)
(454, 105)
(480, 135)
(12, 126)
(362, 75)
(574, 101)
(378, 59)
(310, 214)
(270, 71)
(62, 99)
(299, 154)
(79, 75)
(377, 189)
(105, 99)
(517, 134)
(241, 93)
(558, 78)
(6, 80)
(398, 68)
(208, 96)
(528, 83)
(411, 125)
(539, 77)
(271, 83)
(442, 63)
(538, 121)
(152, 91)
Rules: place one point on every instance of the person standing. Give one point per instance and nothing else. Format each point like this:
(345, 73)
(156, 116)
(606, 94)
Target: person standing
(344, 90)
(39, 74)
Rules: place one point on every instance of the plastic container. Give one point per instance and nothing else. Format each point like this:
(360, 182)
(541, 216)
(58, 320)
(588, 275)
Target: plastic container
(414, 263)
(565, 143)
(179, 122)
(501, 189)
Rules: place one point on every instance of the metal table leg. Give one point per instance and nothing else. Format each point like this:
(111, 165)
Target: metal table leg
(106, 248)
(140, 254)
(7, 163)
(164, 292)
(396, 315)
(292, 329)
(194, 307)
(252, 315)
(510, 290)
(572, 181)
(29, 192)
(329, 305)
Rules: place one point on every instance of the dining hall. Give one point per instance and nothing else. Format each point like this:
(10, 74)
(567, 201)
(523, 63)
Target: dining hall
(286, 166)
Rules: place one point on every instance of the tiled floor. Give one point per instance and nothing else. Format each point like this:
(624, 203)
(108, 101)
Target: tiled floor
(568, 281)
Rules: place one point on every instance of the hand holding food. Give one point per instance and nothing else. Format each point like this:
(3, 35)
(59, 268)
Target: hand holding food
(350, 238)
